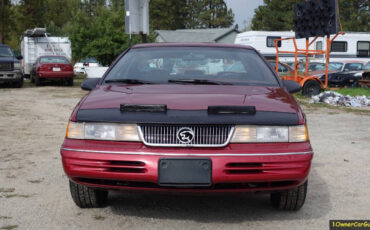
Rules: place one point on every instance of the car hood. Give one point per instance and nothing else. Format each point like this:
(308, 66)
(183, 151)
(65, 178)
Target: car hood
(191, 97)
(7, 59)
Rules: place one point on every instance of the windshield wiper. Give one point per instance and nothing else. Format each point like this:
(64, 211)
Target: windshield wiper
(198, 81)
(128, 81)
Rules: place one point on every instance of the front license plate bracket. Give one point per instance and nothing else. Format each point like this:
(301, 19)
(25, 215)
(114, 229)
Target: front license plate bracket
(179, 172)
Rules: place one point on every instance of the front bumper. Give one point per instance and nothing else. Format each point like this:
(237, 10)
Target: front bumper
(10, 76)
(235, 168)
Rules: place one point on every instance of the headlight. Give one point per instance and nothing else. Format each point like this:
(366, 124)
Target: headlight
(17, 65)
(250, 134)
(102, 131)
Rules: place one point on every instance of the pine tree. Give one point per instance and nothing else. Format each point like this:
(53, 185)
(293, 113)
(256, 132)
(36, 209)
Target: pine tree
(208, 14)
(167, 14)
(32, 13)
(5, 19)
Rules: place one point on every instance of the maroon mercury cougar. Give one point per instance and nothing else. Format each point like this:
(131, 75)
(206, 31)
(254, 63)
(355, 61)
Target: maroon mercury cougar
(188, 118)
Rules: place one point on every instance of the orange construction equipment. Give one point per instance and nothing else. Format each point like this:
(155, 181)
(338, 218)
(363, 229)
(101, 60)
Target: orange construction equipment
(307, 52)
(307, 80)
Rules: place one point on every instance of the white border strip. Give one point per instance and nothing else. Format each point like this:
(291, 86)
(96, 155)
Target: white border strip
(187, 154)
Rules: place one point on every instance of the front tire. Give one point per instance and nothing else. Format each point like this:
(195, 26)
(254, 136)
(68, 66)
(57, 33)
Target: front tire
(311, 88)
(37, 81)
(290, 200)
(19, 84)
(86, 197)
(70, 82)
(32, 78)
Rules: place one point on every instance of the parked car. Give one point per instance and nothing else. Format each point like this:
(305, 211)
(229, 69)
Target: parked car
(79, 67)
(10, 67)
(52, 68)
(36, 42)
(283, 68)
(346, 66)
(365, 80)
(347, 74)
(145, 126)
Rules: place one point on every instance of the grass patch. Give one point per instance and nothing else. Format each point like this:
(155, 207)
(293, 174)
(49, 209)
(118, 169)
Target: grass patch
(354, 91)
(299, 96)
(7, 189)
(16, 195)
(35, 181)
(9, 227)
(98, 217)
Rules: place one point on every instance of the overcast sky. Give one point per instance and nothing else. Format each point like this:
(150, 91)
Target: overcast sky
(243, 9)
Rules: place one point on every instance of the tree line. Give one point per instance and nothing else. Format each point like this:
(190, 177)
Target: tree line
(96, 27)
(277, 15)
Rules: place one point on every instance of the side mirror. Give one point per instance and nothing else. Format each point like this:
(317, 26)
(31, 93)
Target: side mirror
(292, 86)
(90, 83)
(346, 70)
(19, 57)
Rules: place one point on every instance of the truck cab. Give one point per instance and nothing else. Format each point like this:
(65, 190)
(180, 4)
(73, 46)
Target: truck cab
(10, 67)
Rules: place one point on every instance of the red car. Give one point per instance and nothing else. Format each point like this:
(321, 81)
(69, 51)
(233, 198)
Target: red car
(52, 68)
(145, 126)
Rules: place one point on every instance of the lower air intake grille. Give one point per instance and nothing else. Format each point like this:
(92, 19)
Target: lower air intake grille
(187, 135)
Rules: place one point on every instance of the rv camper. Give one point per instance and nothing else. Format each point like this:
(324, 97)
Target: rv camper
(36, 43)
(350, 46)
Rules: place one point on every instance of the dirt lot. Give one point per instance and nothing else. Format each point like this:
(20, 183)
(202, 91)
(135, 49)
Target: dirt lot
(34, 191)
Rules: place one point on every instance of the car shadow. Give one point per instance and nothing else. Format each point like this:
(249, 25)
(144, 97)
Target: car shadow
(232, 208)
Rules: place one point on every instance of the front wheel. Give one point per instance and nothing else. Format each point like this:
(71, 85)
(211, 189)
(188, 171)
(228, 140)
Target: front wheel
(86, 197)
(32, 78)
(311, 88)
(70, 82)
(291, 200)
(37, 81)
(19, 84)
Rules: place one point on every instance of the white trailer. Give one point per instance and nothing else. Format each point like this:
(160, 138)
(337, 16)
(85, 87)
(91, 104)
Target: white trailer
(350, 46)
(36, 43)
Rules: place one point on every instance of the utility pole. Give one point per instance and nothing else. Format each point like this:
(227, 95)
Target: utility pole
(137, 18)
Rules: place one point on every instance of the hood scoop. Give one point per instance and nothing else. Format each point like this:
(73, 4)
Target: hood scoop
(232, 110)
(143, 108)
(219, 109)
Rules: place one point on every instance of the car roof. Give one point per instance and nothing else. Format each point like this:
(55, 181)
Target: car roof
(4, 45)
(215, 45)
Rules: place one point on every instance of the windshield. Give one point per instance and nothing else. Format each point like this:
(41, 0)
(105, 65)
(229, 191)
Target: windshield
(367, 67)
(5, 52)
(160, 65)
(353, 66)
(61, 60)
(335, 66)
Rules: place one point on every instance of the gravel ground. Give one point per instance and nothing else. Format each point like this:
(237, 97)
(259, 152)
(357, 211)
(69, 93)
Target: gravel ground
(34, 191)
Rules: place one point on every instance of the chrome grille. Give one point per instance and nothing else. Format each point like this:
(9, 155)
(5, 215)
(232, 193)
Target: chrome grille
(204, 135)
(5, 66)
